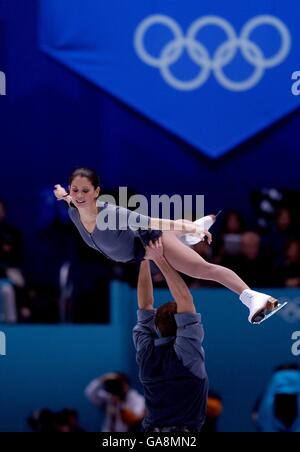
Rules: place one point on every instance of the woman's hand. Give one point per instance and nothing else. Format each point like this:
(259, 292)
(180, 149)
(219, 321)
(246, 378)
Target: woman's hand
(59, 192)
(196, 230)
(203, 234)
(189, 227)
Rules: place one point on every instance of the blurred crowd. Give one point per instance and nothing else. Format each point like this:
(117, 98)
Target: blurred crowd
(263, 258)
(54, 277)
(122, 408)
(264, 252)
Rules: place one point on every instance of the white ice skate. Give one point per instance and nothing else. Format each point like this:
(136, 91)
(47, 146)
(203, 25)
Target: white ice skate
(205, 224)
(261, 306)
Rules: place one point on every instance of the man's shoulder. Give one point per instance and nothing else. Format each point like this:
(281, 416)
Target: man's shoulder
(187, 318)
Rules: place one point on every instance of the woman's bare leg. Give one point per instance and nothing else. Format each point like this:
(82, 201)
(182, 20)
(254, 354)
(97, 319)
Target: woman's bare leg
(187, 261)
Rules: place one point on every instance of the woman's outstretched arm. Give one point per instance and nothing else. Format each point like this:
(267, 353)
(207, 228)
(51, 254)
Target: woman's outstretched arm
(180, 226)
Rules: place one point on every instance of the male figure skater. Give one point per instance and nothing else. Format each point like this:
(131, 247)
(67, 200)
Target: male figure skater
(170, 356)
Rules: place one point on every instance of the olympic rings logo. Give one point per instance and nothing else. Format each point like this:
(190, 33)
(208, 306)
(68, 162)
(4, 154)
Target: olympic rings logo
(291, 312)
(223, 55)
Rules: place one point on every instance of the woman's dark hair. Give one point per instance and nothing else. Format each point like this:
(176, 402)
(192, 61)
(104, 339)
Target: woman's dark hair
(165, 319)
(90, 174)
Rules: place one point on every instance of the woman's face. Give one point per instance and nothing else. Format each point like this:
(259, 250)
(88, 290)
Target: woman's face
(83, 193)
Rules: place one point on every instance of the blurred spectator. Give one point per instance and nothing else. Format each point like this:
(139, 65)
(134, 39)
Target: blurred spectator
(67, 420)
(86, 285)
(284, 221)
(127, 273)
(289, 271)
(214, 410)
(47, 421)
(42, 421)
(39, 304)
(11, 278)
(278, 408)
(124, 407)
(11, 250)
(53, 240)
(283, 231)
(8, 308)
(267, 202)
(251, 265)
(229, 239)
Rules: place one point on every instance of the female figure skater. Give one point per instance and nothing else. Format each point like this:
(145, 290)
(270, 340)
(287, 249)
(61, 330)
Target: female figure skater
(126, 242)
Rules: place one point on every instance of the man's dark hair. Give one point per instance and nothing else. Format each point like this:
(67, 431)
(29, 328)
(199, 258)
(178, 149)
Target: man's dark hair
(165, 320)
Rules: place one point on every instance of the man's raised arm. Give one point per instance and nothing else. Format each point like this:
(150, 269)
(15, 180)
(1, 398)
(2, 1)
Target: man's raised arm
(145, 287)
(176, 284)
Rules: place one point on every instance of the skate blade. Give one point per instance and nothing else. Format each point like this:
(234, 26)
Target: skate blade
(263, 317)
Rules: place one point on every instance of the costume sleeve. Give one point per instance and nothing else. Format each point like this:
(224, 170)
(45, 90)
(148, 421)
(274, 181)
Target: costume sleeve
(144, 331)
(188, 343)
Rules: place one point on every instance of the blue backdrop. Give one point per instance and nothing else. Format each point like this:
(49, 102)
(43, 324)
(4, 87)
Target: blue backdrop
(213, 74)
(53, 120)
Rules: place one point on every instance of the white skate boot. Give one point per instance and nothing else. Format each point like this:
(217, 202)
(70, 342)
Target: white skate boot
(261, 306)
(205, 224)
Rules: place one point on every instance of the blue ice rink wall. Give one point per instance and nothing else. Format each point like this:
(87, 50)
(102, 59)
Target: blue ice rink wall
(49, 366)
